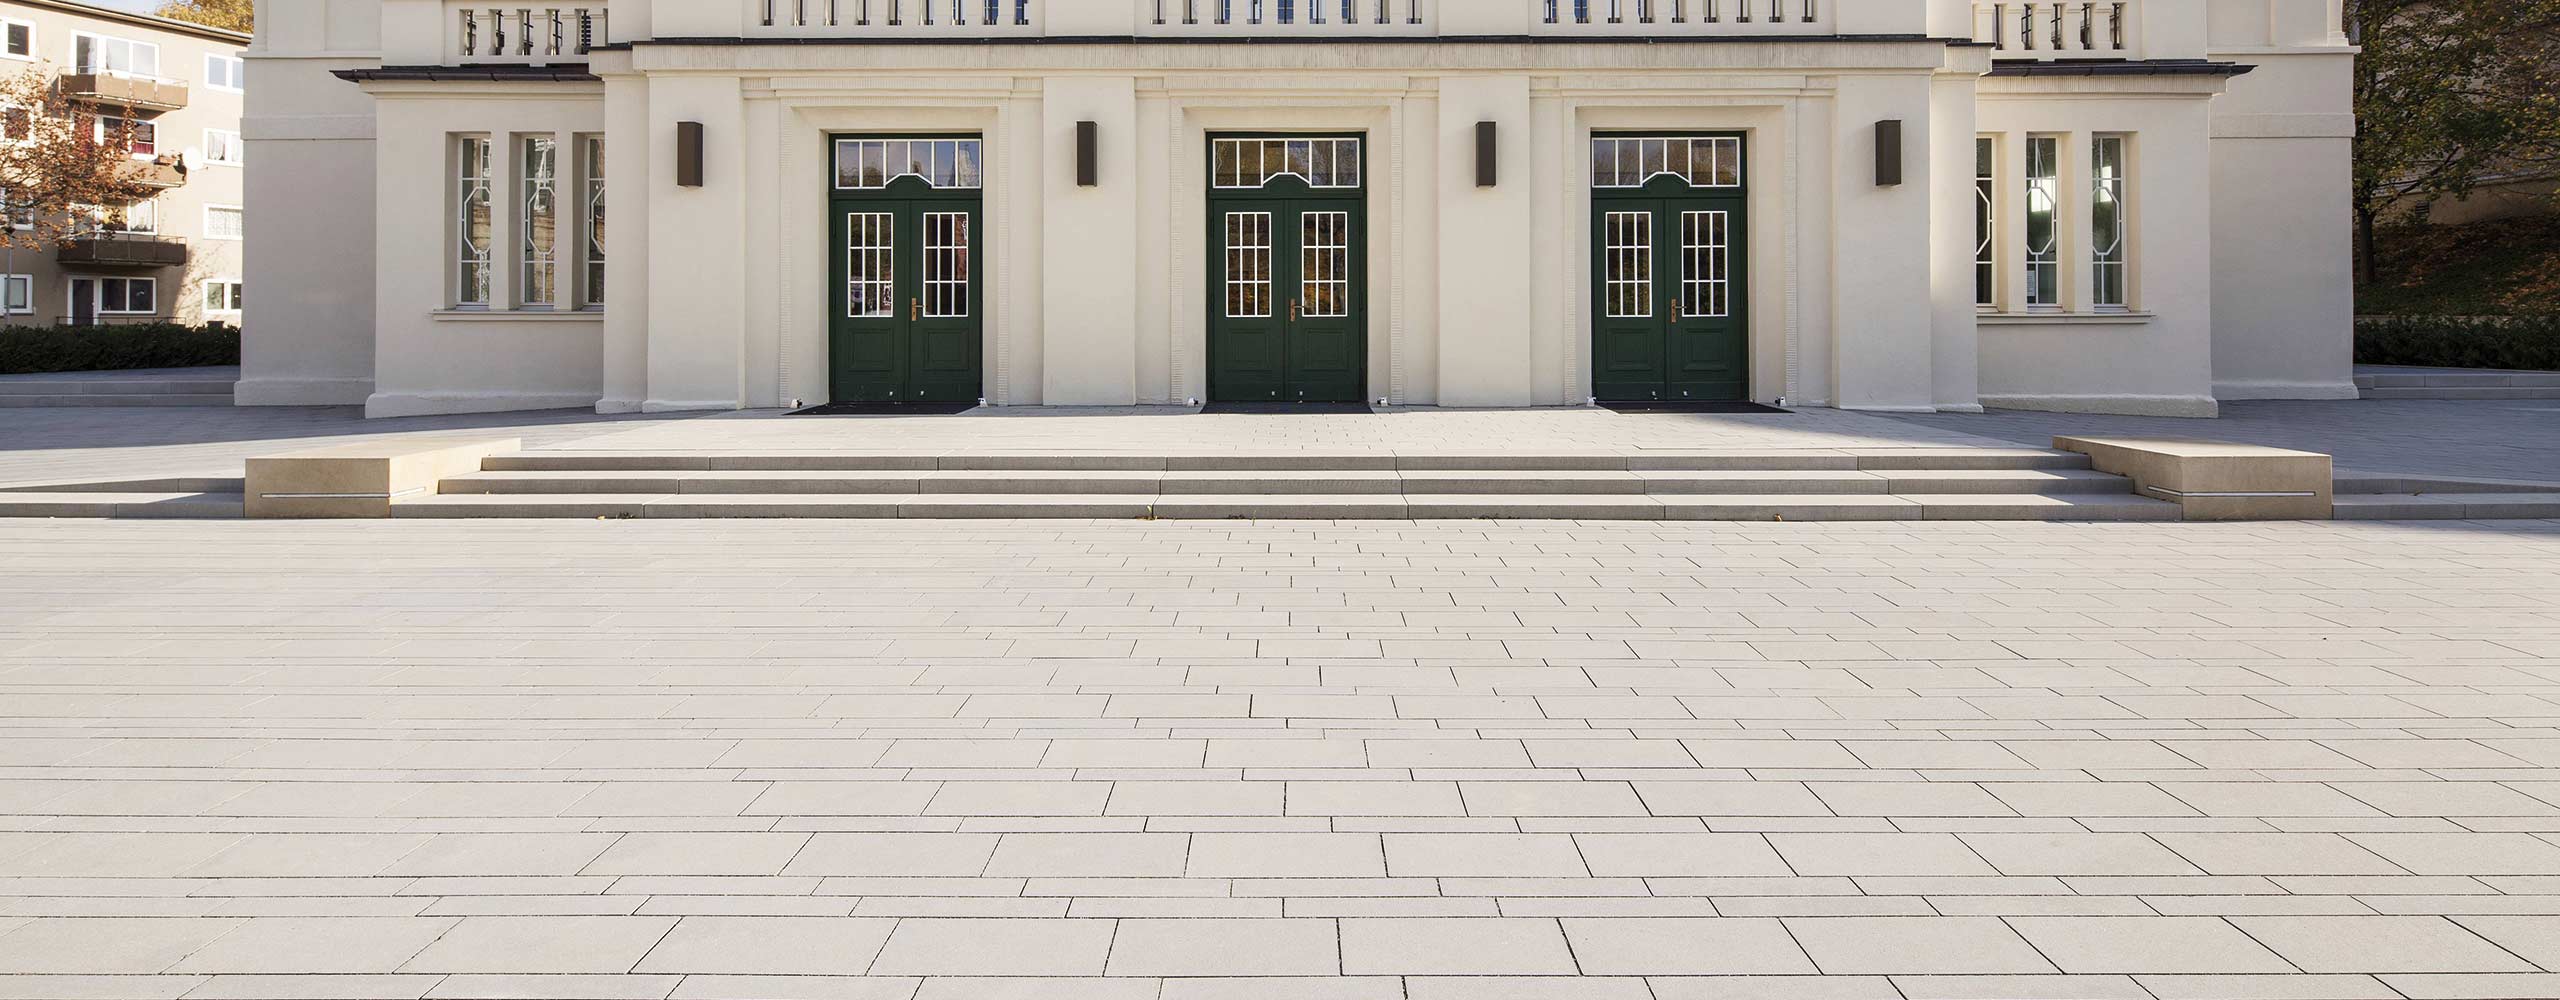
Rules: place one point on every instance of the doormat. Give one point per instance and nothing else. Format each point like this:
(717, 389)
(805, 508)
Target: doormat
(885, 410)
(1682, 406)
(1297, 408)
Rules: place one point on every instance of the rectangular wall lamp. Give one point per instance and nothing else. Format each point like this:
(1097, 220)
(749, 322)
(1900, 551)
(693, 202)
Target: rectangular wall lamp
(689, 154)
(1889, 153)
(1088, 154)
(1487, 150)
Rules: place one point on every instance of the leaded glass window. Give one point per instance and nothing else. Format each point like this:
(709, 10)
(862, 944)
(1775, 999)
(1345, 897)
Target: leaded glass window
(1627, 259)
(1706, 264)
(1246, 164)
(1633, 162)
(946, 265)
(1986, 222)
(1248, 265)
(472, 275)
(870, 286)
(540, 223)
(2107, 223)
(945, 164)
(2044, 222)
(594, 227)
(1324, 271)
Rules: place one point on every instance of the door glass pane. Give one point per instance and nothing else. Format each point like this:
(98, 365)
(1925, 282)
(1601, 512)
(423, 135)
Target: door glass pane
(946, 265)
(2107, 223)
(1986, 221)
(1705, 260)
(870, 247)
(1248, 265)
(1324, 275)
(1626, 256)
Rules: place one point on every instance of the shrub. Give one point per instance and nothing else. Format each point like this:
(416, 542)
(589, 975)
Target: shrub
(26, 349)
(2519, 342)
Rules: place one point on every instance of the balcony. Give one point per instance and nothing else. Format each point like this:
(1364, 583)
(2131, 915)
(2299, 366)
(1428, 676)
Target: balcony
(2048, 30)
(159, 174)
(125, 90)
(526, 36)
(123, 250)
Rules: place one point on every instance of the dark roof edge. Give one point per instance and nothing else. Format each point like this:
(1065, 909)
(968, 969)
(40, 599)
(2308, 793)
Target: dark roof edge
(2121, 67)
(564, 73)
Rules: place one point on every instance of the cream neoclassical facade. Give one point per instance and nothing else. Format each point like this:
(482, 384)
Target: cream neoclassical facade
(657, 205)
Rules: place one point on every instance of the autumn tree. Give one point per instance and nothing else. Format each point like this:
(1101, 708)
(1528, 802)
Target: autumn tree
(2450, 94)
(55, 170)
(234, 15)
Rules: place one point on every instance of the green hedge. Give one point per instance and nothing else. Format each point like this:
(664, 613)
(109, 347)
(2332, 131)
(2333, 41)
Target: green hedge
(25, 349)
(2529, 343)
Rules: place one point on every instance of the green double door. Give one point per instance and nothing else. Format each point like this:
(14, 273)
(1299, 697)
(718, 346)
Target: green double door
(909, 297)
(1669, 302)
(1288, 302)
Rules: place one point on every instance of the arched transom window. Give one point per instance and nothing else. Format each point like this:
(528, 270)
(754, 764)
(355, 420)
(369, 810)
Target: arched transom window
(1246, 164)
(1634, 161)
(872, 164)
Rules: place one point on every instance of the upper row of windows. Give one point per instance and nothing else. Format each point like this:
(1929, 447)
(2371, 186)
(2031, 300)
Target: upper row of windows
(95, 53)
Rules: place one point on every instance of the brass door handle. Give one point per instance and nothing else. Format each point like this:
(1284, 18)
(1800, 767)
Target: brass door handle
(915, 310)
(1293, 310)
(1675, 309)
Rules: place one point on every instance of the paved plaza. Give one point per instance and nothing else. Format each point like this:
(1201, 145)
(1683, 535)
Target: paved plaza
(1201, 761)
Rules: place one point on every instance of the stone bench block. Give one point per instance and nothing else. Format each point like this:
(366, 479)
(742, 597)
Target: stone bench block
(362, 480)
(2217, 480)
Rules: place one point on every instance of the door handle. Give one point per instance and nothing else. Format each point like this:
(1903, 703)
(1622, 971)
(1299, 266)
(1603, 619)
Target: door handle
(915, 310)
(1675, 309)
(1293, 310)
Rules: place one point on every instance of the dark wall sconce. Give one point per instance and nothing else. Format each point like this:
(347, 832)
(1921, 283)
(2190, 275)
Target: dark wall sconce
(689, 154)
(1889, 153)
(1088, 154)
(1487, 153)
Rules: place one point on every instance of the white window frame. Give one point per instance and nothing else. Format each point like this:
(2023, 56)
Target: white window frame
(469, 182)
(2055, 187)
(14, 22)
(101, 134)
(239, 70)
(233, 297)
(1987, 245)
(210, 210)
(10, 285)
(537, 199)
(2111, 265)
(592, 207)
(98, 291)
(120, 221)
(135, 44)
(231, 145)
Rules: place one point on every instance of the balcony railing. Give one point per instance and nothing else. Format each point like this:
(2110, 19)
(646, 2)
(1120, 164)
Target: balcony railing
(1683, 17)
(160, 172)
(1285, 18)
(108, 249)
(2047, 29)
(533, 36)
(126, 90)
(894, 18)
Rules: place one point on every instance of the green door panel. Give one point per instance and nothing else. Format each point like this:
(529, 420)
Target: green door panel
(907, 297)
(1669, 286)
(1288, 295)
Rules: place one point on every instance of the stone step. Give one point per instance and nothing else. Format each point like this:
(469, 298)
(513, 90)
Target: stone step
(114, 387)
(2463, 392)
(1986, 507)
(1736, 460)
(140, 505)
(26, 400)
(2447, 506)
(1285, 483)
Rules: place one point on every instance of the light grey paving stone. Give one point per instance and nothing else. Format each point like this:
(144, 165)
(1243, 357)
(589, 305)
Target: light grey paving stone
(1429, 946)
(2169, 945)
(2276, 854)
(1287, 988)
(2267, 987)
(2019, 988)
(2379, 944)
(1089, 855)
(93, 946)
(2535, 938)
(698, 854)
(1878, 854)
(1225, 948)
(912, 855)
(502, 854)
(1001, 947)
(1525, 988)
(308, 946)
(542, 945)
(1684, 947)
(780, 946)
(1006, 988)
(2077, 854)
(2464, 853)
(710, 987)
(1773, 988)
(563, 986)
(310, 987)
(1287, 855)
(1483, 855)
(1660, 855)
(1915, 946)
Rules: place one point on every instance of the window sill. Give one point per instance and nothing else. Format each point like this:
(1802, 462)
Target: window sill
(516, 315)
(2064, 319)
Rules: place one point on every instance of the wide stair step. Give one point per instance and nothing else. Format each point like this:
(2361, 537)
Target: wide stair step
(1764, 507)
(128, 505)
(27, 400)
(1288, 483)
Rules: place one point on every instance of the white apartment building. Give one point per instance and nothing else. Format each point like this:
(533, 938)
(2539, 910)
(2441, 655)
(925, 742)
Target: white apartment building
(172, 92)
(1901, 205)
